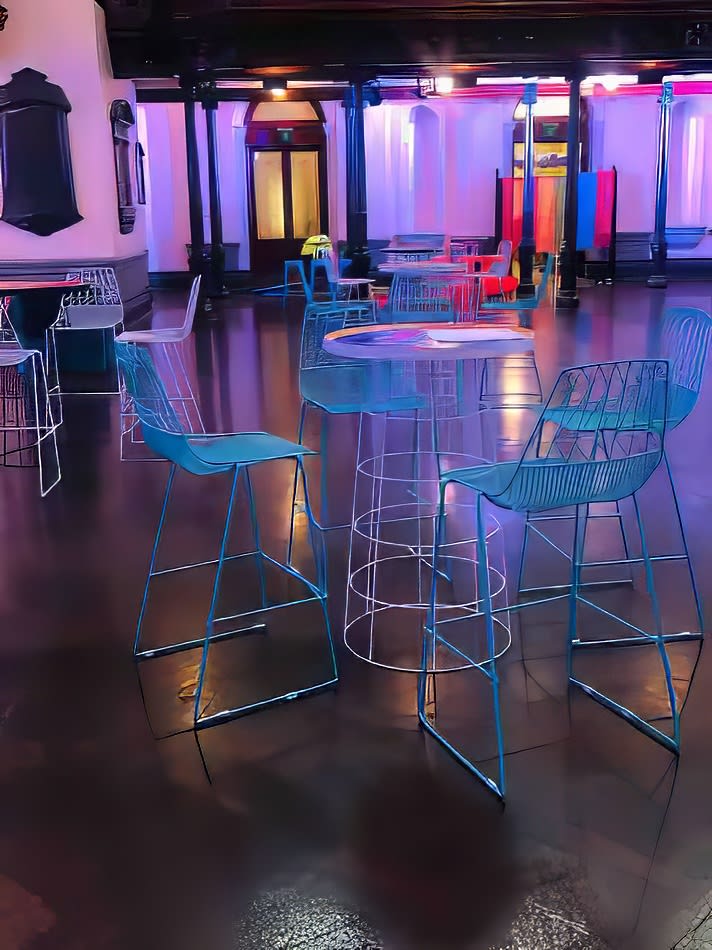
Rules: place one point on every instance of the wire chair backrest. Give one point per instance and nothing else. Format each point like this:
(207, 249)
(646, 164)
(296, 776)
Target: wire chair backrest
(162, 429)
(436, 297)
(146, 389)
(686, 334)
(599, 437)
(187, 327)
(501, 268)
(320, 320)
(103, 289)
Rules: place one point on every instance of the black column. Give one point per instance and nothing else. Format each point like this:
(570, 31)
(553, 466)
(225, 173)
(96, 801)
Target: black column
(567, 296)
(659, 244)
(527, 246)
(356, 216)
(216, 282)
(196, 258)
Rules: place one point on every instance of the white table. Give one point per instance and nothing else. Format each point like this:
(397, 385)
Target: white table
(396, 490)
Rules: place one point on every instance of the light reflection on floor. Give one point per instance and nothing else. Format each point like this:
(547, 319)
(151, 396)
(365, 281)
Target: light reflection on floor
(550, 918)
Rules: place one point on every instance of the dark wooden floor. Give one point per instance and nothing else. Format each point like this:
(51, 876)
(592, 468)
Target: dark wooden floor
(332, 822)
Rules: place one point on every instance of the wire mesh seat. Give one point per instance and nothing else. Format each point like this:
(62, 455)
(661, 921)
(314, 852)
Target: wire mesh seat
(599, 439)
(169, 339)
(204, 454)
(337, 386)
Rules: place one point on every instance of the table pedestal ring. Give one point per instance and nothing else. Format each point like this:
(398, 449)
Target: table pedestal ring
(396, 499)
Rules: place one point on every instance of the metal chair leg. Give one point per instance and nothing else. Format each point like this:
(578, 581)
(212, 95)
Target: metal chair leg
(693, 581)
(209, 625)
(154, 552)
(641, 638)
(300, 440)
(488, 667)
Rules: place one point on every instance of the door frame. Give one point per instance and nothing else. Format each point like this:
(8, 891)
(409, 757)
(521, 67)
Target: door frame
(284, 136)
(323, 185)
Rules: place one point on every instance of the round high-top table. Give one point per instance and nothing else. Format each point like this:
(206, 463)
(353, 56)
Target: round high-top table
(396, 491)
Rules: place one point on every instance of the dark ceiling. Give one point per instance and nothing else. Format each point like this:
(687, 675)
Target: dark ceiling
(337, 39)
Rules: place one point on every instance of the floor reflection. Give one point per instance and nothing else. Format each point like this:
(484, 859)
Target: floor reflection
(333, 822)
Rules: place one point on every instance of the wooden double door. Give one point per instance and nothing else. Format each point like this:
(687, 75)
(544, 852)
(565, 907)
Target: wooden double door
(288, 201)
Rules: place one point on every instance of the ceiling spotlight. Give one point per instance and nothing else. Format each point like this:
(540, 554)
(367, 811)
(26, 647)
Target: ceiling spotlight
(444, 85)
(278, 87)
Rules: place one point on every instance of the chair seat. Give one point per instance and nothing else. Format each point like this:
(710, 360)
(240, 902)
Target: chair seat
(92, 316)
(492, 286)
(244, 448)
(13, 355)
(353, 388)
(158, 335)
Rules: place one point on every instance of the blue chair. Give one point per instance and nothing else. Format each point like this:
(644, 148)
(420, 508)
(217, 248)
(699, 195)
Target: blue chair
(297, 266)
(201, 454)
(494, 366)
(599, 439)
(326, 264)
(337, 386)
(686, 333)
(526, 304)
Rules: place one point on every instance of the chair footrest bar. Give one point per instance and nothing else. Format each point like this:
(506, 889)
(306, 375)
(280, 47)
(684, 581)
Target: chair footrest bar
(465, 762)
(582, 586)
(640, 724)
(226, 715)
(197, 642)
(636, 641)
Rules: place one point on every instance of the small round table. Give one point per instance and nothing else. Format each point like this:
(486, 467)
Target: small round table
(396, 492)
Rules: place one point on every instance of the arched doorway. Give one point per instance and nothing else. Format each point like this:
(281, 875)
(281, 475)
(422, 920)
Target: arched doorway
(287, 183)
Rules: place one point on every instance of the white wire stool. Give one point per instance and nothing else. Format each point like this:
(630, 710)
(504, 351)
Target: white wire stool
(169, 342)
(391, 542)
(27, 424)
(97, 308)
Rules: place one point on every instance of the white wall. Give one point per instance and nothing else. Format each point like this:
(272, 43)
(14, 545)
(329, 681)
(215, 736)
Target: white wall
(67, 41)
(626, 135)
(162, 131)
(441, 173)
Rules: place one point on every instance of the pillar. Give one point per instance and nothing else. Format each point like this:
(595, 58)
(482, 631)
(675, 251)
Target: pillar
(527, 246)
(659, 244)
(567, 296)
(216, 273)
(197, 259)
(356, 215)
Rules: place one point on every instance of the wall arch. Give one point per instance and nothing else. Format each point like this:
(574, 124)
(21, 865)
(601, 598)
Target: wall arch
(427, 178)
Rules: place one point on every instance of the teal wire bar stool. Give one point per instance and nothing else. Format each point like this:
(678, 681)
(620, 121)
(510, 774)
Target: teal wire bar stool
(235, 454)
(335, 386)
(599, 439)
(493, 394)
(685, 339)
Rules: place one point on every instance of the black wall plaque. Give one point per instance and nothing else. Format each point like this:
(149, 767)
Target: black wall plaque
(38, 184)
(122, 119)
